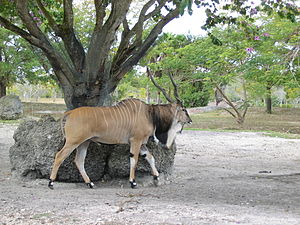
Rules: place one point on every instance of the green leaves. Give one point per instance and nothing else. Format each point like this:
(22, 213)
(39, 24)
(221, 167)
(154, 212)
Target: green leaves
(19, 62)
(215, 40)
(185, 4)
(243, 51)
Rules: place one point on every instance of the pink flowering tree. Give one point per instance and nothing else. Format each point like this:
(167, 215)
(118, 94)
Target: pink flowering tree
(250, 57)
(271, 57)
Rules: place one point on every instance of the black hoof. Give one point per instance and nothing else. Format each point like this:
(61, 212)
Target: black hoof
(50, 184)
(133, 184)
(155, 180)
(90, 185)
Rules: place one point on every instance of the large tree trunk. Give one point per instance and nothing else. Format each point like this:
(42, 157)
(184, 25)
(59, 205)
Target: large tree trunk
(88, 76)
(88, 93)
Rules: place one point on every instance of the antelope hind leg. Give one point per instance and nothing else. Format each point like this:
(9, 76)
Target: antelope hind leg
(134, 156)
(150, 159)
(79, 161)
(59, 158)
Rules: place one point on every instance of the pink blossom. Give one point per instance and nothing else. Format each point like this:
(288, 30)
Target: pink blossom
(257, 38)
(253, 11)
(249, 49)
(266, 35)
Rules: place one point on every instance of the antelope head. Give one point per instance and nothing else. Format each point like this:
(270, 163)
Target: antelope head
(181, 114)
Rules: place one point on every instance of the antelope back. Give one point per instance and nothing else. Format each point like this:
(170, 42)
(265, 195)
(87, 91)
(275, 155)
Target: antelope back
(111, 125)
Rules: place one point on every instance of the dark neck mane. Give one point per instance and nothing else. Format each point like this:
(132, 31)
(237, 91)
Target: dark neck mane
(162, 118)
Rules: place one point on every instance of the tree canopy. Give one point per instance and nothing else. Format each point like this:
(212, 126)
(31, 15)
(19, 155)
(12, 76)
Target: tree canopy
(20, 62)
(253, 59)
(91, 50)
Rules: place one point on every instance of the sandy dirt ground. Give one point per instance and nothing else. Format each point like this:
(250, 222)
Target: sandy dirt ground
(219, 178)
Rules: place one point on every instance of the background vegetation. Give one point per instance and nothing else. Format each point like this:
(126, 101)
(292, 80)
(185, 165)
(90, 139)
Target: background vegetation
(248, 61)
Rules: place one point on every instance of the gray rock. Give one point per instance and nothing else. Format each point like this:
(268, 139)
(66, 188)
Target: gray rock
(10, 107)
(36, 143)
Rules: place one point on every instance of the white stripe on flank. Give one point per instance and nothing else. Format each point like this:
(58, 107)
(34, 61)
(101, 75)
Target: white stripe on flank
(121, 122)
(124, 113)
(135, 115)
(95, 114)
(118, 132)
(128, 117)
(114, 119)
(104, 119)
(131, 115)
(139, 110)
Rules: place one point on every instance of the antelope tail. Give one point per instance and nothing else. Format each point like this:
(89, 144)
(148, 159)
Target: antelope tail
(63, 122)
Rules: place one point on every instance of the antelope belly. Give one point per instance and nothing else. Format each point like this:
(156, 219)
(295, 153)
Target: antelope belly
(110, 140)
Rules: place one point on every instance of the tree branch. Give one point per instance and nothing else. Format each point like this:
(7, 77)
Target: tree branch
(27, 20)
(48, 16)
(68, 14)
(66, 32)
(125, 48)
(24, 34)
(159, 87)
(100, 7)
(103, 38)
(227, 100)
(175, 89)
(231, 113)
(120, 70)
(43, 43)
(73, 46)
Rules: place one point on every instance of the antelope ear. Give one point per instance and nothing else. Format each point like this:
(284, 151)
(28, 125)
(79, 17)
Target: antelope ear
(179, 103)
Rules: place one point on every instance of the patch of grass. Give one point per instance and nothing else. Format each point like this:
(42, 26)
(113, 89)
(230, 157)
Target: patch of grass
(268, 133)
(282, 135)
(284, 121)
(35, 109)
(12, 122)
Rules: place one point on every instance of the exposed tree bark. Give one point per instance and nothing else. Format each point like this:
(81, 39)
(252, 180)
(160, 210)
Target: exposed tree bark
(2, 87)
(268, 100)
(3, 81)
(88, 77)
(237, 114)
(218, 95)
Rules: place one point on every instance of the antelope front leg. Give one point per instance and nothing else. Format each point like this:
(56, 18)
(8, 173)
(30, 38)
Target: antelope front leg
(150, 159)
(134, 156)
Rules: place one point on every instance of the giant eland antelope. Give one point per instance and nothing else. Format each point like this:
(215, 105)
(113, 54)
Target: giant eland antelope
(131, 122)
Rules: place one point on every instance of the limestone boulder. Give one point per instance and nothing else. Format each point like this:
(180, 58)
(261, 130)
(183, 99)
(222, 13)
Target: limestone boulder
(10, 107)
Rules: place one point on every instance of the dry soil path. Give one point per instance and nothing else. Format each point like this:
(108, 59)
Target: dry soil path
(219, 178)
